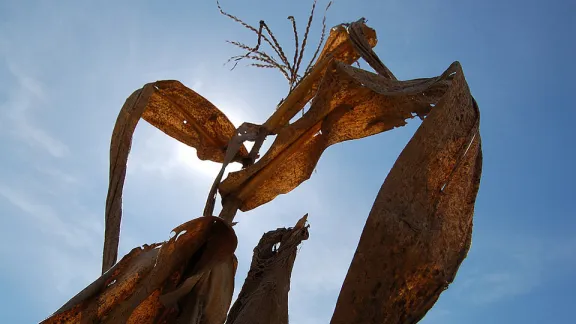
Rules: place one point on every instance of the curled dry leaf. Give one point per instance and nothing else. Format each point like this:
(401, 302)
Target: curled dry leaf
(420, 226)
(188, 278)
(350, 104)
(264, 295)
(341, 48)
(191, 119)
(338, 47)
(362, 45)
(180, 113)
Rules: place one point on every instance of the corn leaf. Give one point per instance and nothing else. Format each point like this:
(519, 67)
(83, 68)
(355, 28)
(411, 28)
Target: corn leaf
(338, 47)
(350, 104)
(180, 113)
(189, 277)
(420, 226)
(264, 295)
(191, 119)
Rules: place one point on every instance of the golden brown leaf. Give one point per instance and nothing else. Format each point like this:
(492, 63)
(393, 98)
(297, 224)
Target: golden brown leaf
(338, 47)
(149, 283)
(341, 47)
(361, 43)
(180, 113)
(190, 118)
(350, 104)
(264, 295)
(208, 301)
(419, 229)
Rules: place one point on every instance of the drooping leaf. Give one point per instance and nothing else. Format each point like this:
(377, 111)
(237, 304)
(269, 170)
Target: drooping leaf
(264, 295)
(177, 111)
(350, 104)
(420, 226)
(151, 284)
(191, 119)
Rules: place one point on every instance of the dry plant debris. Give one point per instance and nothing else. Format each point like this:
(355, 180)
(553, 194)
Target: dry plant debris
(415, 238)
(420, 227)
(189, 278)
(264, 295)
(180, 113)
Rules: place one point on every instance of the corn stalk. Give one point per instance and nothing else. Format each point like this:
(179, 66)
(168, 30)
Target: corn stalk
(415, 237)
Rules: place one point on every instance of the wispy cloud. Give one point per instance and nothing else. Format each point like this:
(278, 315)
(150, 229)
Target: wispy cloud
(74, 233)
(23, 98)
(62, 176)
(56, 249)
(497, 286)
(517, 266)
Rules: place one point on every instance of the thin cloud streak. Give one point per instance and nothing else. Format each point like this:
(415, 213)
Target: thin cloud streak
(23, 99)
(46, 219)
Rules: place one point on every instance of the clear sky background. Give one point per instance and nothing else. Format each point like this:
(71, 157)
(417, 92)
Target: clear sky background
(66, 68)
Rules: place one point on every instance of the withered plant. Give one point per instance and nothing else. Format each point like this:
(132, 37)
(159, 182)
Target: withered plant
(415, 237)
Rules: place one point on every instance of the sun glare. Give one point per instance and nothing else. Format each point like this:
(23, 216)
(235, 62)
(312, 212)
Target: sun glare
(187, 155)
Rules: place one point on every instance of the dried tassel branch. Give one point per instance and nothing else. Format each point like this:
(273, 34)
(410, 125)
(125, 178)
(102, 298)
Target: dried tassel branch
(296, 44)
(310, 18)
(290, 70)
(238, 20)
(309, 67)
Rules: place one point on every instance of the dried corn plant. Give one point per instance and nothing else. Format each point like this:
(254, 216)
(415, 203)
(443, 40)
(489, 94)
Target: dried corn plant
(415, 237)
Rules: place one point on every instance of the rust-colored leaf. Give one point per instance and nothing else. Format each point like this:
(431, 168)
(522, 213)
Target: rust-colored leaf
(351, 103)
(209, 299)
(191, 119)
(150, 283)
(177, 111)
(338, 47)
(264, 295)
(341, 47)
(361, 43)
(419, 229)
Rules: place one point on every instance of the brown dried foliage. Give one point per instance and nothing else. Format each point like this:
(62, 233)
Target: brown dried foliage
(338, 47)
(420, 226)
(188, 279)
(350, 104)
(180, 113)
(414, 240)
(191, 119)
(264, 295)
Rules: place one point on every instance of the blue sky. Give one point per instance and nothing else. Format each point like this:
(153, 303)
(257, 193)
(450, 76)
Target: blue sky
(66, 68)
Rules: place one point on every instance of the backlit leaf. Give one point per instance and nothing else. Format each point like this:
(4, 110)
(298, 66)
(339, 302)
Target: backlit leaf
(264, 295)
(338, 47)
(191, 119)
(420, 226)
(177, 111)
(150, 282)
(350, 104)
